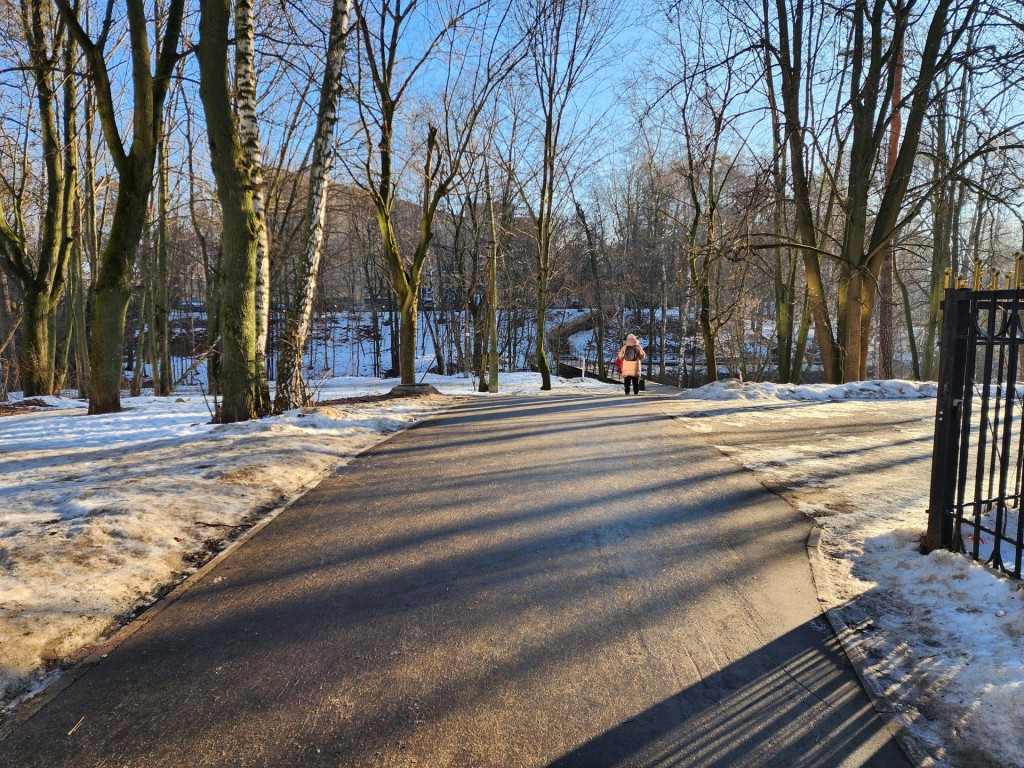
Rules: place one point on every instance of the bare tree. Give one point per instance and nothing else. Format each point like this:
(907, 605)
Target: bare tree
(40, 273)
(300, 312)
(877, 33)
(135, 172)
(436, 143)
(248, 127)
(566, 38)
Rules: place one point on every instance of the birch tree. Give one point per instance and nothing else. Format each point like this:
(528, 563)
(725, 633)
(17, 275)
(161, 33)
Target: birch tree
(290, 391)
(246, 106)
(241, 224)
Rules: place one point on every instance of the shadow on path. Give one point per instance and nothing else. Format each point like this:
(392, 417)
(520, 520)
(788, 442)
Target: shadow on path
(736, 716)
(573, 581)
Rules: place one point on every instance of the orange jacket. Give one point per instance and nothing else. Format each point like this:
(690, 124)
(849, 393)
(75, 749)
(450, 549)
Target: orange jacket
(631, 367)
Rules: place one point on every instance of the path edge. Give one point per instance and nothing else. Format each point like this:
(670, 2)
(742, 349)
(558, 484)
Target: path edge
(895, 721)
(62, 680)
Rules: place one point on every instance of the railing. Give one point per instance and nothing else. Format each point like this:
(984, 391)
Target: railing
(574, 367)
(978, 454)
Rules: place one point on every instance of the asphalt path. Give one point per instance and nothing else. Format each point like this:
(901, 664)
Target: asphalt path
(543, 581)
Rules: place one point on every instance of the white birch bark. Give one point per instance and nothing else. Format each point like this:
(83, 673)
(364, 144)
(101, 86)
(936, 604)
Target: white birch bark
(289, 377)
(249, 137)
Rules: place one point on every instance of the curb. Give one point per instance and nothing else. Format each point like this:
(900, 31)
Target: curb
(61, 680)
(895, 721)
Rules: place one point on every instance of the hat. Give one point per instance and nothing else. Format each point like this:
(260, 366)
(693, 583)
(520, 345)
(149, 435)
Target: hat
(631, 338)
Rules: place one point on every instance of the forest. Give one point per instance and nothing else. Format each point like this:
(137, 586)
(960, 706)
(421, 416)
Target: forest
(776, 191)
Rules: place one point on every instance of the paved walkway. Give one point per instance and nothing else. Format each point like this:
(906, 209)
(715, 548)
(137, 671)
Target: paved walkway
(556, 581)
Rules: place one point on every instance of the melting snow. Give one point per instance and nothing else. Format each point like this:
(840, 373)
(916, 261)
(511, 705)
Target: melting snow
(943, 636)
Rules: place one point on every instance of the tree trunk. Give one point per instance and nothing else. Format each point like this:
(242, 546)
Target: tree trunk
(240, 381)
(408, 337)
(492, 323)
(36, 363)
(663, 330)
(106, 351)
(941, 256)
(159, 310)
(78, 300)
(706, 331)
(134, 179)
(251, 157)
(541, 353)
(784, 280)
(803, 334)
(908, 317)
(78, 332)
(143, 334)
(492, 292)
(300, 312)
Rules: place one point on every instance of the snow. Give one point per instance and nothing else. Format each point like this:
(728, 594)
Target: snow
(943, 636)
(94, 523)
(733, 389)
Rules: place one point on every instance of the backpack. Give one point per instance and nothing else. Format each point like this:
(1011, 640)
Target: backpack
(631, 354)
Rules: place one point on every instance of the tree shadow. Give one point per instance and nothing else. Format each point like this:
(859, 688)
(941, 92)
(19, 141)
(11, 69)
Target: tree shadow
(519, 608)
(789, 703)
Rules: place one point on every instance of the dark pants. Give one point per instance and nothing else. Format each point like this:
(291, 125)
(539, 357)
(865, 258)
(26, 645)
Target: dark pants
(636, 384)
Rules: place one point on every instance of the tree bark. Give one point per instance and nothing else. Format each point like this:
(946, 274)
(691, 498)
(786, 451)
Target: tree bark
(40, 276)
(240, 382)
(540, 353)
(36, 364)
(249, 138)
(135, 176)
(161, 358)
(885, 325)
(300, 312)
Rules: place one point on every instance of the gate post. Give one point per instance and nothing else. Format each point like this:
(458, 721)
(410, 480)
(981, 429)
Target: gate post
(948, 410)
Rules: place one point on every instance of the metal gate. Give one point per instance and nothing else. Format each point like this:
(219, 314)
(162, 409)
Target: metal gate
(978, 455)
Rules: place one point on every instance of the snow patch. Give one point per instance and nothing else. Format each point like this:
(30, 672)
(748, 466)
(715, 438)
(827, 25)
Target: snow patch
(734, 389)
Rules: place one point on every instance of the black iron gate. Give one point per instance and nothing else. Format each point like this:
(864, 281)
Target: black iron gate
(978, 456)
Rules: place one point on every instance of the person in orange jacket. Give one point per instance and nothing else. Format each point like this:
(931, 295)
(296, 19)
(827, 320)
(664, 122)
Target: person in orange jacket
(631, 355)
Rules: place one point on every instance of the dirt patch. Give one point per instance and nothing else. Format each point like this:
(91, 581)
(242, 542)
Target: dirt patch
(22, 406)
(361, 399)
(392, 396)
(251, 476)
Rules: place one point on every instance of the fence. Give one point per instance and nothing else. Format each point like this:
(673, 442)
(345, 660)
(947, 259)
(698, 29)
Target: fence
(575, 367)
(978, 454)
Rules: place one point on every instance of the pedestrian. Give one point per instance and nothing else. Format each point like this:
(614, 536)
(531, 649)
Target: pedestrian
(631, 355)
